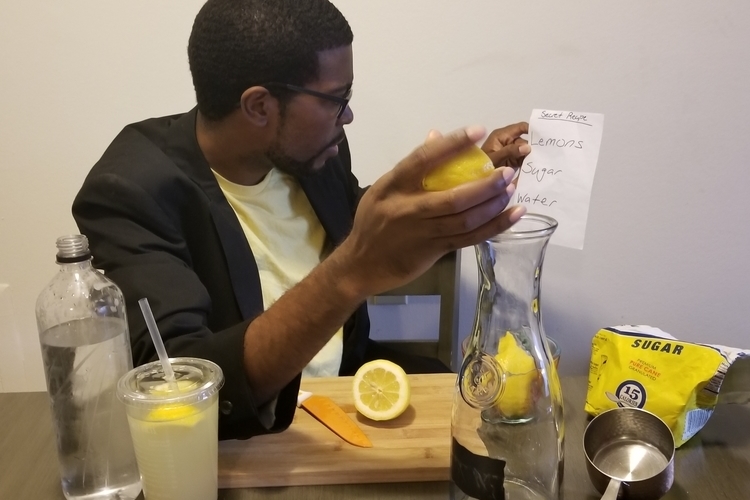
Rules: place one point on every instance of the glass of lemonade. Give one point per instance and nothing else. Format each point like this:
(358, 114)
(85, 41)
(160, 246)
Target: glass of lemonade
(174, 427)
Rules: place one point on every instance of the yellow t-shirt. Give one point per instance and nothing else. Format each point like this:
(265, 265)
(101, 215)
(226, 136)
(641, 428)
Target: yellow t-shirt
(287, 241)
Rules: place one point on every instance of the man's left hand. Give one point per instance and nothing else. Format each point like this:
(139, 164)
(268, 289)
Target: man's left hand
(505, 146)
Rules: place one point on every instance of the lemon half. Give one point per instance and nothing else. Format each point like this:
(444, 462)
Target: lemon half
(469, 165)
(381, 390)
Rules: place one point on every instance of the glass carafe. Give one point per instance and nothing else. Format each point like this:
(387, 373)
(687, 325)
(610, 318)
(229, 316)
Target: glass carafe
(507, 422)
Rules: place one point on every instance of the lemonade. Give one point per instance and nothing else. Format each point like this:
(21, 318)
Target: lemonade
(174, 427)
(177, 448)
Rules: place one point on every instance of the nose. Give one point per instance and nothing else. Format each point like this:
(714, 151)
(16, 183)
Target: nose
(347, 116)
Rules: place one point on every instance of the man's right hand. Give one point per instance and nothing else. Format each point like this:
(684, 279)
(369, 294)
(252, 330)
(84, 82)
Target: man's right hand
(400, 230)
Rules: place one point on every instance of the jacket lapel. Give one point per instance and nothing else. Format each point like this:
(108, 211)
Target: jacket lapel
(326, 196)
(324, 191)
(243, 271)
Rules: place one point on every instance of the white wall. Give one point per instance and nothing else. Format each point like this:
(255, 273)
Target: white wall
(667, 234)
(73, 73)
(667, 231)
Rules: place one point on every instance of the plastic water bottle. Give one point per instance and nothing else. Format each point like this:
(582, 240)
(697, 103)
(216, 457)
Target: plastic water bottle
(83, 332)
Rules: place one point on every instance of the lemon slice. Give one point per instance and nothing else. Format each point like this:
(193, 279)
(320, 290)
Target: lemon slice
(466, 166)
(170, 413)
(381, 390)
(182, 414)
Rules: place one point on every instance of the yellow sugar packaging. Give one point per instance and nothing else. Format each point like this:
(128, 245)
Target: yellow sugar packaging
(645, 367)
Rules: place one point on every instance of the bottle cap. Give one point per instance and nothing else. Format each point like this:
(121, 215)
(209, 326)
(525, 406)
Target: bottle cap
(72, 248)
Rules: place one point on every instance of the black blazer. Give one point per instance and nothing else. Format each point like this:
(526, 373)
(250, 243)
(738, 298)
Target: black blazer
(159, 226)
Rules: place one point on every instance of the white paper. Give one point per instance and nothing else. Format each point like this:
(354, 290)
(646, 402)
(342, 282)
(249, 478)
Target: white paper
(556, 178)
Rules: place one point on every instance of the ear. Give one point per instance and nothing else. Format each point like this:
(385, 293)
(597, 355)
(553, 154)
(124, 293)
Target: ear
(258, 106)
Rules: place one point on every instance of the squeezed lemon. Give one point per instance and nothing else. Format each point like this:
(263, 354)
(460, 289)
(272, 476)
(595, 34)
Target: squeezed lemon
(381, 390)
(466, 166)
(520, 376)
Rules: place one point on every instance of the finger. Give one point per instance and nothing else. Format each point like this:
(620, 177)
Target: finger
(437, 151)
(511, 155)
(464, 197)
(433, 134)
(494, 226)
(509, 133)
(472, 218)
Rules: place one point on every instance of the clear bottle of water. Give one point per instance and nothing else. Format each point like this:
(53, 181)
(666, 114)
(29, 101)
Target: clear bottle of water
(85, 349)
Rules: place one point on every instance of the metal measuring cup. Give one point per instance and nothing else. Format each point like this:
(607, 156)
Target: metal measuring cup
(632, 450)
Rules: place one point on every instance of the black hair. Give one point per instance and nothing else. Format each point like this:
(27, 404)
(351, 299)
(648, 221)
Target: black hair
(236, 44)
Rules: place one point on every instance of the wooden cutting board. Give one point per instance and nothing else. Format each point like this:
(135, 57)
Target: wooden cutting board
(413, 447)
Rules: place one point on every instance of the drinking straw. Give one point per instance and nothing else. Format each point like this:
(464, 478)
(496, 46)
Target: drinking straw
(158, 343)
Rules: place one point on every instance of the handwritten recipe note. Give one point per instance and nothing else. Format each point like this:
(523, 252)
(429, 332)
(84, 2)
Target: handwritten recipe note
(556, 178)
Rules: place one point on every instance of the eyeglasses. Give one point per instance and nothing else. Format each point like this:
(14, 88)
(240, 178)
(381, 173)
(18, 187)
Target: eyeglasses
(342, 102)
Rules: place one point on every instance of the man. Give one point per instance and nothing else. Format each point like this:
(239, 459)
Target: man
(243, 225)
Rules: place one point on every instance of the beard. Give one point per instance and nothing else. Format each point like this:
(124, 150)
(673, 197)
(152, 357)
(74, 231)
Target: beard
(297, 168)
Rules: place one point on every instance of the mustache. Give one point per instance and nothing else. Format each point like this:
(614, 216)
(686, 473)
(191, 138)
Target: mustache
(335, 141)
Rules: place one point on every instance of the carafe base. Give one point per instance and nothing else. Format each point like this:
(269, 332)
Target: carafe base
(126, 492)
(513, 491)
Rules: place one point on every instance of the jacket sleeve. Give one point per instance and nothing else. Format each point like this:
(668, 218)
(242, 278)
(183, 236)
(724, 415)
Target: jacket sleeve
(354, 191)
(139, 243)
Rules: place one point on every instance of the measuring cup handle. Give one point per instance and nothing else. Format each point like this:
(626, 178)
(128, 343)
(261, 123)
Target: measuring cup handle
(612, 490)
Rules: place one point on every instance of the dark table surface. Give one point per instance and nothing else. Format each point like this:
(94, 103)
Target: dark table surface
(713, 465)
